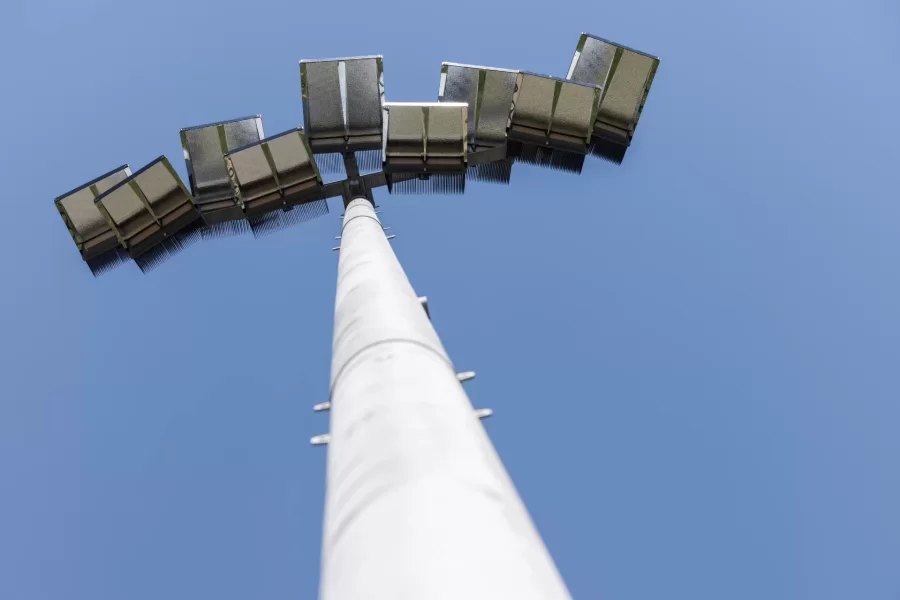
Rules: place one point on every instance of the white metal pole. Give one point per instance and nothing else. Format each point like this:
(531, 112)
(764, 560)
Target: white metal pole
(418, 505)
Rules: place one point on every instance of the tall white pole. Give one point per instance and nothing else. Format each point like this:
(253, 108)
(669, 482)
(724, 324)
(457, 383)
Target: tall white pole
(418, 505)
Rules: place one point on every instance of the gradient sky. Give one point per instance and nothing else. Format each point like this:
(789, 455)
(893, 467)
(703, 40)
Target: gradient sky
(693, 357)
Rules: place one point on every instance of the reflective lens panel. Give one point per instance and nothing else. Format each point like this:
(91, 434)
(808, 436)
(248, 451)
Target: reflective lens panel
(124, 204)
(204, 149)
(554, 108)
(447, 130)
(83, 218)
(276, 166)
(322, 99)
(293, 159)
(149, 207)
(627, 90)
(161, 189)
(575, 109)
(459, 83)
(364, 96)
(203, 155)
(242, 132)
(624, 74)
(534, 101)
(342, 102)
(488, 92)
(428, 129)
(278, 181)
(593, 60)
(405, 130)
(496, 103)
(250, 168)
(289, 152)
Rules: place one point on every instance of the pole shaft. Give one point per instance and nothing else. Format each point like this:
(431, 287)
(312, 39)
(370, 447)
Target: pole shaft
(418, 505)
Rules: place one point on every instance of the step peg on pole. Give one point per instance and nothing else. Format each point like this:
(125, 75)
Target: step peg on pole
(423, 300)
(390, 237)
(322, 406)
(337, 237)
(465, 376)
(335, 248)
(383, 228)
(484, 413)
(320, 440)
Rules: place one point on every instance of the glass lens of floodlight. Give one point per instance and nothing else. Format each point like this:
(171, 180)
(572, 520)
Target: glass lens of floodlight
(85, 217)
(593, 62)
(496, 100)
(323, 99)
(488, 93)
(292, 161)
(575, 110)
(122, 204)
(288, 152)
(406, 130)
(161, 188)
(460, 84)
(82, 212)
(112, 179)
(251, 167)
(243, 132)
(534, 104)
(205, 149)
(446, 130)
(625, 89)
(363, 96)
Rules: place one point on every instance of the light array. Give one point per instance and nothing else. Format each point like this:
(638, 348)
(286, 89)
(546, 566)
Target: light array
(486, 119)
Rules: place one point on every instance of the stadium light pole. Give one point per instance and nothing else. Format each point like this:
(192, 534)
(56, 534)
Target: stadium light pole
(418, 504)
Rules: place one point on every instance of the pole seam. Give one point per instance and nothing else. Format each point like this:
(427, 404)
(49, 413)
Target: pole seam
(356, 354)
(358, 217)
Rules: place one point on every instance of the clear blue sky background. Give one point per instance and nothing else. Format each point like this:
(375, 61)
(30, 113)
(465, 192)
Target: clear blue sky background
(693, 357)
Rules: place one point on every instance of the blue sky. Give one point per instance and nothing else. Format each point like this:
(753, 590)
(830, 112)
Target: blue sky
(693, 357)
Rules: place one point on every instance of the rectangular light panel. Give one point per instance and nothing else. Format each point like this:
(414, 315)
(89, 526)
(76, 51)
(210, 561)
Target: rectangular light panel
(89, 228)
(278, 181)
(148, 207)
(425, 147)
(204, 153)
(276, 171)
(625, 76)
(553, 111)
(342, 102)
(551, 121)
(488, 93)
(426, 131)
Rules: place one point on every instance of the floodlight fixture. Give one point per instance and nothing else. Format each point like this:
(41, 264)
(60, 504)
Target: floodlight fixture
(152, 213)
(93, 235)
(625, 76)
(277, 181)
(425, 147)
(488, 92)
(342, 102)
(413, 482)
(551, 120)
(204, 154)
